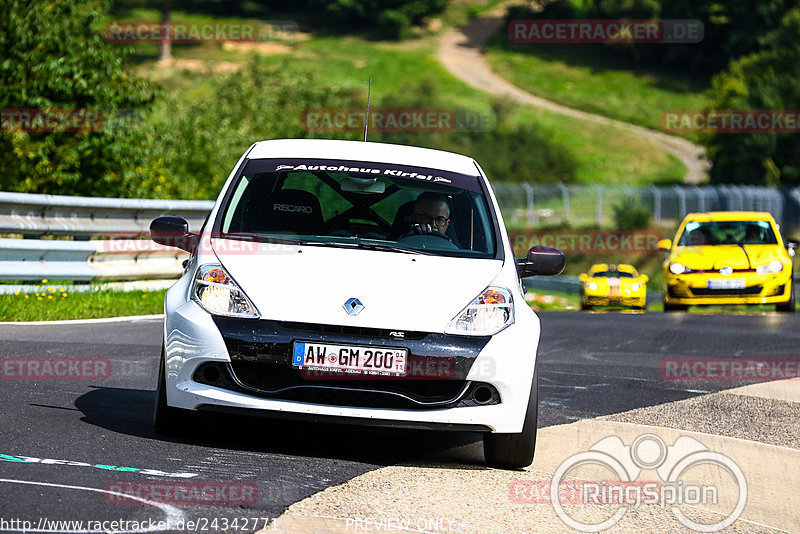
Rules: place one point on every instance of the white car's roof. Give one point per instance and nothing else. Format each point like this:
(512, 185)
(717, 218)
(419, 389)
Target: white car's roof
(361, 151)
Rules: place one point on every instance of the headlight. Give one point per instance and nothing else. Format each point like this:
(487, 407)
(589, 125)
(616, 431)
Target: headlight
(678, 268)
(775, 266)
(635, 287)
(490, 312)
(216, 291)
(593, 286)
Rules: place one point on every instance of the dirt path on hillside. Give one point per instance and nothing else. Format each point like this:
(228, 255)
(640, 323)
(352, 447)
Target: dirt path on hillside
(461, 52)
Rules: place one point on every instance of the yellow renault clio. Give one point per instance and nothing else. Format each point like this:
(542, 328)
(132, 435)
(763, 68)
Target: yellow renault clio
(728, 257)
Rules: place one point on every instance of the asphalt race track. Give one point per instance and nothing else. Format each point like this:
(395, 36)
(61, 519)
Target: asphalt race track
(81, 437)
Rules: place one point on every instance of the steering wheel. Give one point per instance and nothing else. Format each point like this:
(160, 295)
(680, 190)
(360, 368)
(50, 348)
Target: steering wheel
(430, 232)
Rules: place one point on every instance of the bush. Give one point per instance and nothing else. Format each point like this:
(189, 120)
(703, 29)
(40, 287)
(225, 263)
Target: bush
(764, 80)
(392, 18)
(53, 59)
(507, 151)
(631, 215)
(200, 138)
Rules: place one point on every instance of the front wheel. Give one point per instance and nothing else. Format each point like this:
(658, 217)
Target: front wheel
(787, 307)
(167, 420)
(514, 451)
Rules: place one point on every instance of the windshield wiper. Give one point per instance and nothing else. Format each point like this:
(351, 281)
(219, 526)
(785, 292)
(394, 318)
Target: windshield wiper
(390, 248)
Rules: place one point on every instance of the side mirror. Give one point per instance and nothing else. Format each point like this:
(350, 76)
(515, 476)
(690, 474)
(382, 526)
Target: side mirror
(172, 231)
(664, 244)
(541, 261)
(645, 278)
(583, 277)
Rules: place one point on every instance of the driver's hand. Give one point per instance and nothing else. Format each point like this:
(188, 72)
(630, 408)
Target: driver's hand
(422, 229)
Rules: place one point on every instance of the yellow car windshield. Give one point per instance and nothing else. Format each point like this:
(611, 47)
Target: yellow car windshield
(727, 233)
(612, 274)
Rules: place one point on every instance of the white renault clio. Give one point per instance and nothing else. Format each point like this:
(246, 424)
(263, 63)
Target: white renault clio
(360, 283)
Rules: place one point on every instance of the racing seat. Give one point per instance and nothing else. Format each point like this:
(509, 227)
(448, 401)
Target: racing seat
(402, 220)
(291, 211)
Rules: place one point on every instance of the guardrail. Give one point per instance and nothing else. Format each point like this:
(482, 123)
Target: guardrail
(86, 260)
(32, 215)
(37, 215)
(33, 260)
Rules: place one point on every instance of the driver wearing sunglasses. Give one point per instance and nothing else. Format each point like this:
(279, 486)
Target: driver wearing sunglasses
(431, 213)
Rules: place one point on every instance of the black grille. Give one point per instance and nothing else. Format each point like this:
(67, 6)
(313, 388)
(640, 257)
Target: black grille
(276, 382)
(704, 291)
(351, 330)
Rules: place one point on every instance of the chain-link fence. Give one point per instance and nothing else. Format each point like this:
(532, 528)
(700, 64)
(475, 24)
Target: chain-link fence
(525, 204)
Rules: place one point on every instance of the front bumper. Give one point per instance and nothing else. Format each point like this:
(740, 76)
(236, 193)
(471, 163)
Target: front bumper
(258, 353)
(624, 297)
(628, 301)
(689, 289)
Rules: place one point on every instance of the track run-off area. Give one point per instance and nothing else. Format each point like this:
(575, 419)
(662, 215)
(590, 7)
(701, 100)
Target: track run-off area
(70, 446)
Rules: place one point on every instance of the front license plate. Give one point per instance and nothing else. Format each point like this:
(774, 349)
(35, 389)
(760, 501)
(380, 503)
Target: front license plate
(726, 284)
(350, 358)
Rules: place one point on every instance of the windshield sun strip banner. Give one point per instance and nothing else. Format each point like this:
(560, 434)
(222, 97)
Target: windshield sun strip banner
(410, 173)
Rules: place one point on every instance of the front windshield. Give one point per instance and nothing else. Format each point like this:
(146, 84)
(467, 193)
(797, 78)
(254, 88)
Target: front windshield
(358, 204)
(728, 233)
(612, 274)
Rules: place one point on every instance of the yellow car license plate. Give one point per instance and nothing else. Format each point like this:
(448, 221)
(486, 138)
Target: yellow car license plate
(726, 284)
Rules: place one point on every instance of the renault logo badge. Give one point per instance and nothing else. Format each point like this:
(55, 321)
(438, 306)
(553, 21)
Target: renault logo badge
(353, 306)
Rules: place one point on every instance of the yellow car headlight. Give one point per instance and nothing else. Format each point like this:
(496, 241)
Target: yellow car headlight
(677, 268)
(635, 286)
(593, 286)
(775, 266)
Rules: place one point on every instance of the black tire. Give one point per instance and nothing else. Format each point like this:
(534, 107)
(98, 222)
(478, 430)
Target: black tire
(515, 451)
(585, 307)
(787, 307)
(167, 420)
(674, 307)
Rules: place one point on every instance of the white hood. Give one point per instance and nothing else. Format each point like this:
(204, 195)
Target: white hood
(398, 291)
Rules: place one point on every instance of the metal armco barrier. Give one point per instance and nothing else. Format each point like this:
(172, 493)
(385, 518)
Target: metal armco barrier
(36, 215)
(33, 260)
(33, 215)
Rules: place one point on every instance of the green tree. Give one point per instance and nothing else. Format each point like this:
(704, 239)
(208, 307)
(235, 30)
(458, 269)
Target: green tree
(763, 80)
(52, 57)
(201, 136)
(506, 150)
(391, 18)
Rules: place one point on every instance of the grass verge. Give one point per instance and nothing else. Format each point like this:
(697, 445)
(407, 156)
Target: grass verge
(593, 78)
(51, 305)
